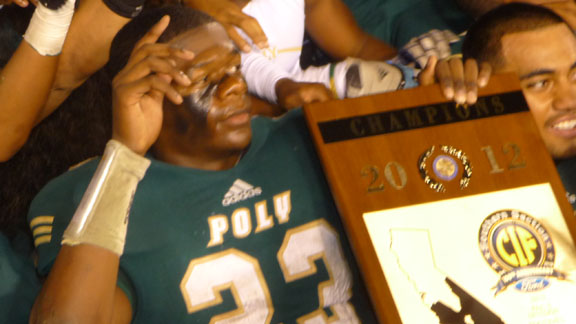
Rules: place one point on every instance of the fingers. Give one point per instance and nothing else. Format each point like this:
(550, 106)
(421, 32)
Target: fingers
(316, 93)
(252, 28)
(20, 3)
(460, 81)
(153, 34)
(155, 86)
(426, 76)
(444, 77)
(295, 94)
(155, 75)
(484, 74)
(240, 42)
(164, 51)
(155, 64)
(153, 67)
(147, 46)
(234, 17)
(470, 85)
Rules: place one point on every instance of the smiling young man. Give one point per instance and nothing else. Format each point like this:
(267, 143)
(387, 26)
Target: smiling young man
(540, 47)
(233, 221)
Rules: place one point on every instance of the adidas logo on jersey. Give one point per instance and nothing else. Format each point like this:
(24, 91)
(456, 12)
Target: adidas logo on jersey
(240, 190)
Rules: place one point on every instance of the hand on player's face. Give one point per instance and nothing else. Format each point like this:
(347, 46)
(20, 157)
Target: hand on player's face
(216, 59)
(217, 93)
(141, 86)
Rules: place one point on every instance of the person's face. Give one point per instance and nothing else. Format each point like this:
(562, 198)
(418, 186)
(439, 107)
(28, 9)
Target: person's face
(216, 104)
(545, 60)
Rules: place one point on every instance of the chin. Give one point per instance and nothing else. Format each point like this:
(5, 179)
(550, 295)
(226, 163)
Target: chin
(562, 152)
(240, 143)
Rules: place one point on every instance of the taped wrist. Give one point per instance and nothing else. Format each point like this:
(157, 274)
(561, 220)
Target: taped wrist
(47, 30)
(102, 216)
(125, 8)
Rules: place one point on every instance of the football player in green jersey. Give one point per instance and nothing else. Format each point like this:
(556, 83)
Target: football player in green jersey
(233, 221)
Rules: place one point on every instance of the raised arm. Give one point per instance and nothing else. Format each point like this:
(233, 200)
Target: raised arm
(81, 286)
(86, 49)
(33, 84)
(333, 27)
(26, 79)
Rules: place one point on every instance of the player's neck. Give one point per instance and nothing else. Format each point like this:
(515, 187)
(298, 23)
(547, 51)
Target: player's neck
(193, 151)
(212, 162)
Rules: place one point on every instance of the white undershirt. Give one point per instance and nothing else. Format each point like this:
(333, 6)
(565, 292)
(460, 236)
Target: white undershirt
(283, 23)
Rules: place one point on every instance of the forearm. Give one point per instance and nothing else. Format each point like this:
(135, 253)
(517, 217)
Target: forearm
(342, 37)
(24, 86)
(81, 286)
(262, 75)
(85, 51)
(374, 49)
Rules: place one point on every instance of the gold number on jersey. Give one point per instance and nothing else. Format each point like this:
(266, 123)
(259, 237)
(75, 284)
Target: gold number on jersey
(237, 271)
(206, 277)
(304, 245)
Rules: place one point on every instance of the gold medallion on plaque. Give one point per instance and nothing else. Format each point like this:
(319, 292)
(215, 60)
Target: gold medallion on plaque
(439, 166)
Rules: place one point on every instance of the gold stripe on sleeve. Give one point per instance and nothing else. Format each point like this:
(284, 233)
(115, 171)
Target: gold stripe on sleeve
(46, 220)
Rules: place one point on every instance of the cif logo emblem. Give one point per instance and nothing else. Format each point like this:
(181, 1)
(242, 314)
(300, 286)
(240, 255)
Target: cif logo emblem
(512, 239)
(519, 249)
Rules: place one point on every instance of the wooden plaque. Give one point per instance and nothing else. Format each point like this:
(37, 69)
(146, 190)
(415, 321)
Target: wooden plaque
(452, 212)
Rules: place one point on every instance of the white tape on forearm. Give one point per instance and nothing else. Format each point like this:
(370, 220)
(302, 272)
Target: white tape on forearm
(48, 28)
(102, 216)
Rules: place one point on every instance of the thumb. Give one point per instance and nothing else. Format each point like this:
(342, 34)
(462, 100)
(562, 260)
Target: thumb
(426, 76)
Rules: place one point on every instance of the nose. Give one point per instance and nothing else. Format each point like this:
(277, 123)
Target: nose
(565, 96)
(233, 86)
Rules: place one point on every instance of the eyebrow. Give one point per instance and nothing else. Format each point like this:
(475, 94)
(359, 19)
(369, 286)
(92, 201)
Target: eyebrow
(542, 72)
(536, 73)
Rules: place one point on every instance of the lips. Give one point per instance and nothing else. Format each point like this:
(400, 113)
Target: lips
(564, 126)
(237, 117)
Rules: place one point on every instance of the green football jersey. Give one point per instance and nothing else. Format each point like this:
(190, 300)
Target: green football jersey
(19, 284)
(258, 243)
(566, 169)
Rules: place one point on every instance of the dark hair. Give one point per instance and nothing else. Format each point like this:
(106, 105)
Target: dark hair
(13, 23)
(181, 20)
(476, 8)
(483, 40)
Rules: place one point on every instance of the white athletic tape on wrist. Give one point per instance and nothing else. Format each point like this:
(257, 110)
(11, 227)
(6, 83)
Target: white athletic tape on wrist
(102, 216)
(48, 28)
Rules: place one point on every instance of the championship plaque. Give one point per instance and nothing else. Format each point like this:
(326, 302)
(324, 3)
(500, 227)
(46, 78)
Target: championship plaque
(455, 214)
